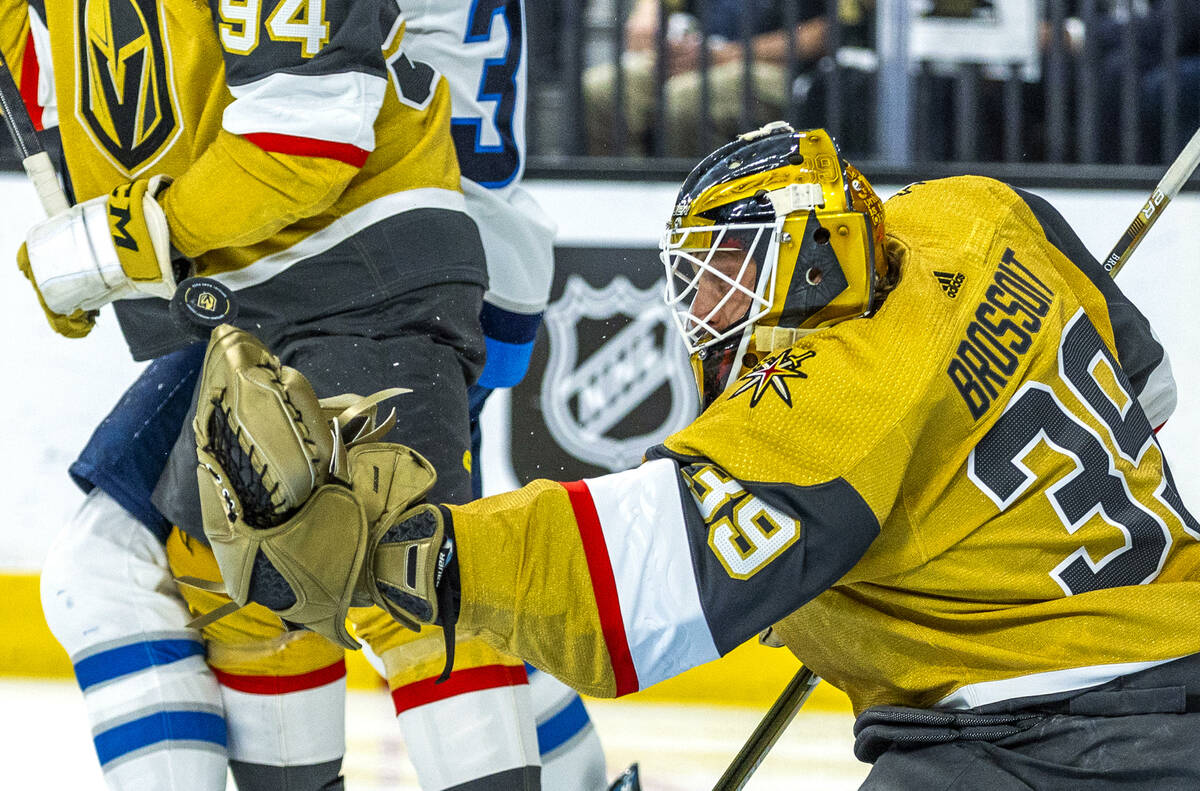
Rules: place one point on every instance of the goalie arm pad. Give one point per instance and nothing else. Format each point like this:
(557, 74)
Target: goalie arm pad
(527, 588)
(260, 192)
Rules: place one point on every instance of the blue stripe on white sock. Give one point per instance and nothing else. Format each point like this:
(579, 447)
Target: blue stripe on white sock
(562, 727)
(159, 727)
(117, 662)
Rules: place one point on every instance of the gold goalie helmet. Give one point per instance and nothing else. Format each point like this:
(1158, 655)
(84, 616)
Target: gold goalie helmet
(773, 236)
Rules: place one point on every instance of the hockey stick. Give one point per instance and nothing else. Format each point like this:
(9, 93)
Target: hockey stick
(199, 304)
(1166, 189)
(769, 729)
(34, 160)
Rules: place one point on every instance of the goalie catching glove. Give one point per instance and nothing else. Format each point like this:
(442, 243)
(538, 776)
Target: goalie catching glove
(303, 519)
(101, 250)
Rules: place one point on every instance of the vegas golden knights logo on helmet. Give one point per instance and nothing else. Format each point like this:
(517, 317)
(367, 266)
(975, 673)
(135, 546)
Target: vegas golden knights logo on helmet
(124, 87)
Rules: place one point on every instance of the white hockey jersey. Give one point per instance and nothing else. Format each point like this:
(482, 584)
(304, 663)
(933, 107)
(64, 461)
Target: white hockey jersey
(481, 49)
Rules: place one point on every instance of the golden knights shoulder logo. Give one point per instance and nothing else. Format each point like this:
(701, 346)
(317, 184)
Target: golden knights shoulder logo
(124, 84)
(771, 375)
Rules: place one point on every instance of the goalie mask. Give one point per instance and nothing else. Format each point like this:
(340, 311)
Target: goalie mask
(773, 236)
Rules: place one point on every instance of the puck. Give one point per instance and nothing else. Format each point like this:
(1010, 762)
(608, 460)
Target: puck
(203, 303)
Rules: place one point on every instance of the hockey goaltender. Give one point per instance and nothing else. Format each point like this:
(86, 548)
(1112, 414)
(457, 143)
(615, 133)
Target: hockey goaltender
(951, 506)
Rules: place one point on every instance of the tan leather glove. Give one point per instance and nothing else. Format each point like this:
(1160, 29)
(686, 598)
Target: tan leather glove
(301, 518)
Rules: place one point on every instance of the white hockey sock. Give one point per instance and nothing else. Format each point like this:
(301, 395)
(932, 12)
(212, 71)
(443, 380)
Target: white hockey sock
(572, 756)
(153, 704)
(286, 720)
(476, 730)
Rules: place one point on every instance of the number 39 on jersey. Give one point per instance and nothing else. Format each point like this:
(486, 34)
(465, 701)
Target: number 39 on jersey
(1115, 475)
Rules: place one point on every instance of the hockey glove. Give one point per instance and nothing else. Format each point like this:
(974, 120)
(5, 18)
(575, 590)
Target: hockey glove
(301, 519)
(98, 251)
(76, 325)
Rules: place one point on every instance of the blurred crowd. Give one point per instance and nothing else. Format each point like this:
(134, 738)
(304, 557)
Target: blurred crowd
(1103, 80)
(1109, 81)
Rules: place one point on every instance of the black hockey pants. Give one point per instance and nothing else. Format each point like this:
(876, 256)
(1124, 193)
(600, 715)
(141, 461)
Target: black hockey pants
(1137, 732)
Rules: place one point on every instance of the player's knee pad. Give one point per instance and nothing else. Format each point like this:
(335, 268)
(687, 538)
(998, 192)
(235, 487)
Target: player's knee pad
(106, 579)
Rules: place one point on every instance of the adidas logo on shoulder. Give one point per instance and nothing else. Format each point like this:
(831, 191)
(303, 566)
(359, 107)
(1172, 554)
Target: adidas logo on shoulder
(950, 282)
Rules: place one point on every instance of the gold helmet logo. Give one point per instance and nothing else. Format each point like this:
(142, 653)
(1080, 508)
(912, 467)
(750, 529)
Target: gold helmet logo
(124, 95)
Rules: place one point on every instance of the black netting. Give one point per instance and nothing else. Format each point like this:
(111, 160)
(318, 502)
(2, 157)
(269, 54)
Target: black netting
(420, 609)
(242, 478)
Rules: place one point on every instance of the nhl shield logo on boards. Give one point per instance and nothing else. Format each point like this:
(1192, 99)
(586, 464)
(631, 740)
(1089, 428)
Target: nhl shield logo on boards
(613, 353)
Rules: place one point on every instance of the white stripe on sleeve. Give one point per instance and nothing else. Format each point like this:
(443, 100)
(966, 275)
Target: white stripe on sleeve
(338, 108)
(642, 519)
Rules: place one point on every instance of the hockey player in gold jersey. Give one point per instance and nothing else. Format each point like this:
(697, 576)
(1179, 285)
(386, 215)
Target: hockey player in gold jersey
(301, 155)
(927, 460)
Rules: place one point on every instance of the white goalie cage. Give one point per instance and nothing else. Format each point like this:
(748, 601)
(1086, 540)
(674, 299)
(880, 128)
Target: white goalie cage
(696, 264)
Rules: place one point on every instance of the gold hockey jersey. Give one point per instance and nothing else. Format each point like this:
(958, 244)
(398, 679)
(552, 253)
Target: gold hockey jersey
(955, 501)
(1030, 533)
(287, 127)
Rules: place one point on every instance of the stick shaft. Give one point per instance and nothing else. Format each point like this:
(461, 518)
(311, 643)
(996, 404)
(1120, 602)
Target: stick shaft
(36, 162)
(769, 730)
(1166, 189)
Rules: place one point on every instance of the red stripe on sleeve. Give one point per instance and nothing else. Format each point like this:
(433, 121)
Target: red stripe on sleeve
(29, 83)
(279, 685)
(460, 682)
(308, 147)
(604, 586)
